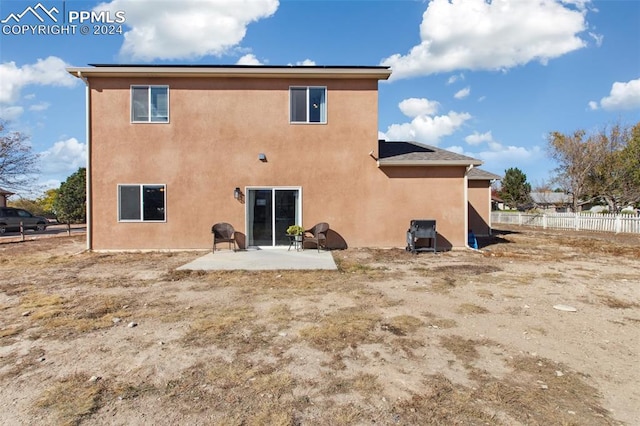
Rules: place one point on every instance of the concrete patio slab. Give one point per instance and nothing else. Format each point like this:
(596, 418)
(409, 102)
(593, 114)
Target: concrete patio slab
(259, 260)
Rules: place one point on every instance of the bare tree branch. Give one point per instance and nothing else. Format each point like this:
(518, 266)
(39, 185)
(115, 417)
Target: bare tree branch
(17, 162)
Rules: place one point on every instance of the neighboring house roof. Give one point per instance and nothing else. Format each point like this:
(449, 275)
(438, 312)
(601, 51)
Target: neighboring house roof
(392, 153)
(5, 192)
(550, 198)
(262, 71)
(479, 174)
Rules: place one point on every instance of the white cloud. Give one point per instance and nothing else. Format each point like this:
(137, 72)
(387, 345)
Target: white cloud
(463, 93)
(40, 106)
(64, 156)
(482, 35)
(11, 113)
(455, 78)
(622, 96)
(306, 63)
(497, 158)
(187, 28)
(45, 72)
(427, 129)
(477, 138)
(249, 59)
(598, 38)
(414, 107)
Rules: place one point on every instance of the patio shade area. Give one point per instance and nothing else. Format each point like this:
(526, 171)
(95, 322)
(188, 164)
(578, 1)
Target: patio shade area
(261, 260)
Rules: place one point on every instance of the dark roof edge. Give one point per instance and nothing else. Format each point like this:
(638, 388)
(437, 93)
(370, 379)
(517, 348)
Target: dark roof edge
(373, 67)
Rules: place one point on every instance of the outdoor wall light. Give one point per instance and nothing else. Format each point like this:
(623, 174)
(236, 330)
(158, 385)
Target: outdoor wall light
(262, 157)
(236, 193)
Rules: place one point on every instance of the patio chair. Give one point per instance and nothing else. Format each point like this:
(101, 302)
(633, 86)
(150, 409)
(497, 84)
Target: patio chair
(319, 235)
(223, 233)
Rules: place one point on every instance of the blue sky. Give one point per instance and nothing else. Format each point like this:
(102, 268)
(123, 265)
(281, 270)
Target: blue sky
(489, 79)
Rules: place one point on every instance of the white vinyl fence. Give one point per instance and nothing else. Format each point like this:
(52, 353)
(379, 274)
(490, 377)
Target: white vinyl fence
(579, 222)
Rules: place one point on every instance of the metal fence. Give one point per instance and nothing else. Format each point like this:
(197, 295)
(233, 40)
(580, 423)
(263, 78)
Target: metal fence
(577, 221)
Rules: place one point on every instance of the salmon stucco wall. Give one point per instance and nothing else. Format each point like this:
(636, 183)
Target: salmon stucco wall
(217, 129)
(480, 207)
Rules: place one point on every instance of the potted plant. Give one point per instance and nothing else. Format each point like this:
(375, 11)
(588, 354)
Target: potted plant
(295, 230)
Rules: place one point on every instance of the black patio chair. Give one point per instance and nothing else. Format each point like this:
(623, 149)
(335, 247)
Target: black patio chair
(223, 233)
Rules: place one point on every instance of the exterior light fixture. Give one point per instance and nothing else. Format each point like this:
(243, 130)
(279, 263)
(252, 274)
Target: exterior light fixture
(262, 157)
(236, 193)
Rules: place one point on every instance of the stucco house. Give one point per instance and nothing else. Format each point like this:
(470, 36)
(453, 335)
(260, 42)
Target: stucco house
(4, 194)
(174, 149)
(480, 200)
(552, 201)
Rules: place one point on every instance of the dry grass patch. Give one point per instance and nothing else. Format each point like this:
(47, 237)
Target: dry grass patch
(280, 315)
(42, 305)
(72, 399)
(463, 349)
(345, 328)
(443, 323)
(236, 393)
(470, 309)
(484, 293)
(364, 383)
(540, 391)
(436, 322)
(221, 326)
(615, 303)
(463, 269)
(443, 284)
(11, 330)
(442, 403)
(62, 316)
(402, 325)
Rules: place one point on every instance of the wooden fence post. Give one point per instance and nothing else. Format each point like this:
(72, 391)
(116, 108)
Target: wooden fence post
(68, 228)
(22, 229)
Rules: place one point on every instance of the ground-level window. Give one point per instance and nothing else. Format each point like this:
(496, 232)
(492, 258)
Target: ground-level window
(150, 104)
(308, 104)
(141, 203)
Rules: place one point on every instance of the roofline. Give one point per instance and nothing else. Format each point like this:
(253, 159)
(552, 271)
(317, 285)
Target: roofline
(242, 71)
(414, 163)
(483, 178)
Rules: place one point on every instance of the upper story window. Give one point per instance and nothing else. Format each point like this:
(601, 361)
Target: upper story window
(149, 104)
(141, 203)
(308, 104)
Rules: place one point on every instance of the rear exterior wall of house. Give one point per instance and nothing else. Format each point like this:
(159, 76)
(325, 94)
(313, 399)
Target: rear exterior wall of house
(211, 144)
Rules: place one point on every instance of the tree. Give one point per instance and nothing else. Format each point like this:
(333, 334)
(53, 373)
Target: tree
(516, 191)
(17, 162)
(30, 205)
(47, 201)
(41, 206)
(70, 204)
(615, 177)
(577, 157)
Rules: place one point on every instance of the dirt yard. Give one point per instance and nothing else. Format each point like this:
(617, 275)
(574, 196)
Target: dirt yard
(463, 337)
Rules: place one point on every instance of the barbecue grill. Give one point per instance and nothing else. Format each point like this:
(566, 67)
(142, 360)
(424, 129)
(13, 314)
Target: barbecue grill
(421, 232)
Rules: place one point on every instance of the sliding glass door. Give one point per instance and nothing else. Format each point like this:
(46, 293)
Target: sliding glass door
(270, 211)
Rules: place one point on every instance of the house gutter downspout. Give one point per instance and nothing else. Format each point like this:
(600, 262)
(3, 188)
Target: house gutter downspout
(466, 206)
(88, 174)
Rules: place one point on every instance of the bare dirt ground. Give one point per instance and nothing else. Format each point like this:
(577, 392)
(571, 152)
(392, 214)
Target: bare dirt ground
(461, 337)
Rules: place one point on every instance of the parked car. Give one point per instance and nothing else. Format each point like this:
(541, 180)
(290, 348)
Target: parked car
(11, 217)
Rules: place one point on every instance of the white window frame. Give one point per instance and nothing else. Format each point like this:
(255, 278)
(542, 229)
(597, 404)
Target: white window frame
(142, 185)
(149, 87)
(326, 107)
